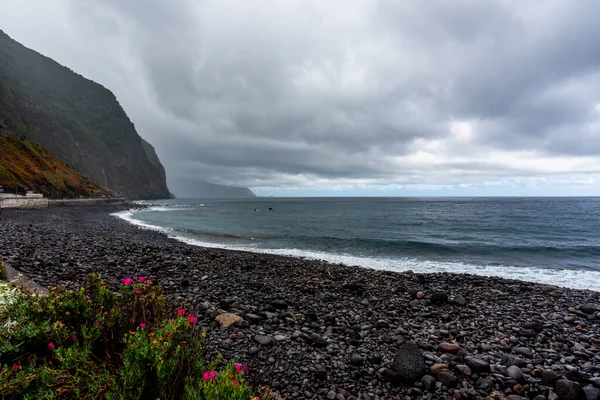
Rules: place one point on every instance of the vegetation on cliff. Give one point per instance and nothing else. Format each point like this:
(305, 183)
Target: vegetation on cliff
(78, 120)
(25, 165)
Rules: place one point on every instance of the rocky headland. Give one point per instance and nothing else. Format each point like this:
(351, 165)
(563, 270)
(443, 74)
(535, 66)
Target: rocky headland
(314, 330)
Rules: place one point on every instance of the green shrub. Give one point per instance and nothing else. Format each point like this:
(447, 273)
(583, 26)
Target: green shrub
(94, 343)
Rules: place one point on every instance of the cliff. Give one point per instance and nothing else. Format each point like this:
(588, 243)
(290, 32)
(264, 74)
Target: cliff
(25, 165)
(188, 189)
(78, 120)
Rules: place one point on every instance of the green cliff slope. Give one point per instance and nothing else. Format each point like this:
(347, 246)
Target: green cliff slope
(24, 164)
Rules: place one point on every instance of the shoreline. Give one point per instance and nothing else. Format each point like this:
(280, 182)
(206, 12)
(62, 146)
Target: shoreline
(313, 329)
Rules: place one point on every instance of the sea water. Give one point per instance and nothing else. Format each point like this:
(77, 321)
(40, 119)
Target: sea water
(547, 240)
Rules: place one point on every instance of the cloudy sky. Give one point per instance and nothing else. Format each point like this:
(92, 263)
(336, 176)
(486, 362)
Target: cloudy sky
(353, 97)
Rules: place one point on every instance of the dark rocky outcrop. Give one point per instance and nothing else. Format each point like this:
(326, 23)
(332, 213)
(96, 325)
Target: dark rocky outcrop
(78, 120)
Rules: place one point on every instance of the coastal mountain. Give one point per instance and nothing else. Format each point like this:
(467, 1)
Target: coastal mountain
(78, 120)
(188, 189)
(25, 165)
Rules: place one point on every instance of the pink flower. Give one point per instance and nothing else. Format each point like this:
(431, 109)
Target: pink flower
(241, 368)
(142, 325)
(207, 376)
(192, 319)
(169, 335)
(142, 278)
(74, 337)
(16, 367)
(138, 292)
(127, 281)
(51, 346)
(180, 311)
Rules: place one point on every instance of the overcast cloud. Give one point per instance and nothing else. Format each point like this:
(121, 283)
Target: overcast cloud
(354, 96)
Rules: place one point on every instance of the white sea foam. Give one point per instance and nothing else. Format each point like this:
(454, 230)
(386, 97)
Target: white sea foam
(575, 279)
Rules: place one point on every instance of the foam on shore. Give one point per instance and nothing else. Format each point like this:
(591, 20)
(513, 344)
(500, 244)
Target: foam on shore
(575, 279)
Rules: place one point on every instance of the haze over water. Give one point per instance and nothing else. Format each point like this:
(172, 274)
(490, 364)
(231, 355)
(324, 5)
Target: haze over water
(547, 240)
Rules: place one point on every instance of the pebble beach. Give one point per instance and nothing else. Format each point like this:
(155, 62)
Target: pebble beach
(309, 329)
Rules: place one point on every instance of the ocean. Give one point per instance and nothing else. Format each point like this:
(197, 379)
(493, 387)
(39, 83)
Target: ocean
(547, 240)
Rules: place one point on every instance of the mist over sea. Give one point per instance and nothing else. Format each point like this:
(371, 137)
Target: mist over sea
(547, 240)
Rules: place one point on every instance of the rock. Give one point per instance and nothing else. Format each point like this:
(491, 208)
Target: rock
(450, 347)
(311, 317)
(279, 338)
(591, 393)
(460, 300)
(534, 326)
(331, 395)
(355, 287)
(549, 377)
(253, 350)
(516, 373)
(264, 340)
(279, 304)
(568, 390)
(317, 340)
(589, 308)
(428, 382)
(226, 320)
(420, 295)
(409, 363)
(382, 324)
(524, 351)
(509, 360)
(435, 368)
(356, 359)
(321, 374)
(463, 369)
(477, 365)
(253, 318)
(448, 379)
(390, 375)
(376, 357)
(438, 297)
(484, 384)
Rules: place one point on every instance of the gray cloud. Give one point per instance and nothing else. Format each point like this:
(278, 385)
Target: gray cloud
(270, 93)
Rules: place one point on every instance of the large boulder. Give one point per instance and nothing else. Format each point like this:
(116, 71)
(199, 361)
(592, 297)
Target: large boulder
(409, 364)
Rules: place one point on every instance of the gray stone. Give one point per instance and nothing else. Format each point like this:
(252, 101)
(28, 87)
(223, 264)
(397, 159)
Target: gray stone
(591, 393)
(253, 318)
(460, 300)
(264, 339)
(516, 373)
